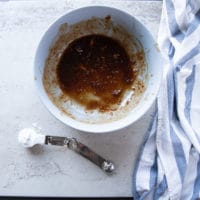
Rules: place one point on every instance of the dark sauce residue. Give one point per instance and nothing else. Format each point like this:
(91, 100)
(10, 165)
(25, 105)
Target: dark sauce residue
(95, 71)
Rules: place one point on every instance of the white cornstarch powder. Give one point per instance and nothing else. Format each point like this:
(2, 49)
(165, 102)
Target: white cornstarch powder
(29, 137)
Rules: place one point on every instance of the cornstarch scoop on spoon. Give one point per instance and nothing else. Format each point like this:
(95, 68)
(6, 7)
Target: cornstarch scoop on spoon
(29, 137)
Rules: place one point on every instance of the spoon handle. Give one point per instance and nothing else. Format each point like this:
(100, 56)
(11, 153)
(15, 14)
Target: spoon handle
(72, 143)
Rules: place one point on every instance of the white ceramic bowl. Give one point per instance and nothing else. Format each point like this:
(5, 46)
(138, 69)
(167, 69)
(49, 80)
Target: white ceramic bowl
(133, 26)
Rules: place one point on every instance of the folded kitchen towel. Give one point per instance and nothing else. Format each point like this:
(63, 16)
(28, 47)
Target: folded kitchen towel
(168, 165)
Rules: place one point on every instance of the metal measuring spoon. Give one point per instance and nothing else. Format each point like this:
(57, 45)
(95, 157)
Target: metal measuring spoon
(30, 137)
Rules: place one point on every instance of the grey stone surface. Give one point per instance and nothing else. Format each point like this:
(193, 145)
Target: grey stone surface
(47, 170)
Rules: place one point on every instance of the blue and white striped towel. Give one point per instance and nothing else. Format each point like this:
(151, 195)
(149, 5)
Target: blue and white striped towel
(168, 166)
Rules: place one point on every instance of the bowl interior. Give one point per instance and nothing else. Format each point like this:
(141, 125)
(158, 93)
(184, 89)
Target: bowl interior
(133, 26)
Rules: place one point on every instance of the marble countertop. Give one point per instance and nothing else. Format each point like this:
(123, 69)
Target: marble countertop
(48, 170)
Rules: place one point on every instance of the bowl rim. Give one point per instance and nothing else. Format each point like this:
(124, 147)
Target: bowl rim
(83, 126)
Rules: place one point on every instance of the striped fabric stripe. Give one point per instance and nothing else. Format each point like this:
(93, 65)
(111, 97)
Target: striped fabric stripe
(168, 166)
(188, 93)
